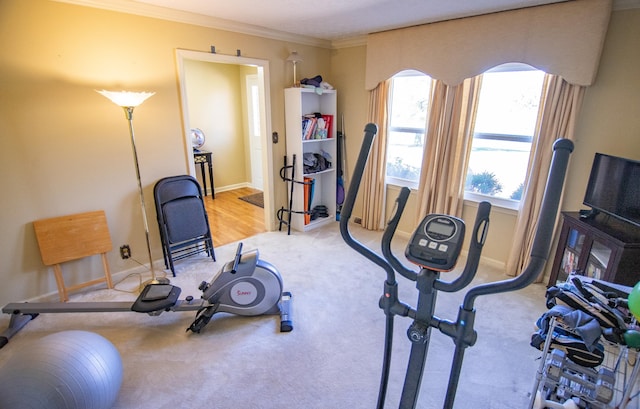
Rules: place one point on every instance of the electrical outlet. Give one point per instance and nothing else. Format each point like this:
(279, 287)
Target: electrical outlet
(125, 251)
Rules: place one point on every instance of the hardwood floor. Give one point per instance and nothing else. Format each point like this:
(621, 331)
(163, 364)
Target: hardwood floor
(232, 219)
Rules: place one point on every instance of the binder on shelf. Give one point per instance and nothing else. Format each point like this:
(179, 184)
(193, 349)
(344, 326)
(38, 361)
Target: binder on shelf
(328, 121)
(308, 184)
(308, 198)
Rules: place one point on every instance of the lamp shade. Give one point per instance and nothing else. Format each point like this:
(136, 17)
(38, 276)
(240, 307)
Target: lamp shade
(126, 98)
(294, 57)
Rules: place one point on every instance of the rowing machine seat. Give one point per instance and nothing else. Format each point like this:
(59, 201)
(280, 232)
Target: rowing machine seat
(156, 297)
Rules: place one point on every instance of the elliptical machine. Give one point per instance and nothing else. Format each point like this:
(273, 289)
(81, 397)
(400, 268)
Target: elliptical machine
(245, 286)
(435, 247)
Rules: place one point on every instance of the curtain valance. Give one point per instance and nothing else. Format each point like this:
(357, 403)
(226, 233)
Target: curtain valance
(565, 39)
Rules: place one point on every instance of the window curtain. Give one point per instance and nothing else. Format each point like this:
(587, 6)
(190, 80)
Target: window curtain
(447, 147)
(560, 107)
(373, 186)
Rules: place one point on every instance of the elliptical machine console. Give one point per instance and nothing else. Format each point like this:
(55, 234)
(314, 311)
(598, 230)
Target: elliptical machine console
(436, 243)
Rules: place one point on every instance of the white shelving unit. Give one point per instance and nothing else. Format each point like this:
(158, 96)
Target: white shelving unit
(300, 102)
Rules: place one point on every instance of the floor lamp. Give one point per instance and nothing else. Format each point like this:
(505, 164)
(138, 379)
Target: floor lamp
(128, 101)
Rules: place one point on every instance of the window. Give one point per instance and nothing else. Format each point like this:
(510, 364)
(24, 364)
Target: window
(503, 134)
(409, 96)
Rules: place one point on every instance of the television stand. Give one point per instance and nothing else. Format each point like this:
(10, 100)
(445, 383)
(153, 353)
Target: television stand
(600, 247)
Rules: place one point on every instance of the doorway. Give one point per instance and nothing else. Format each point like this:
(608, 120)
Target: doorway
(238, 137)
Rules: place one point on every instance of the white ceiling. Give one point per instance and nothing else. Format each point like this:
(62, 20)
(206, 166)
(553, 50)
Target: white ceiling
(323, 22)
(339, 19)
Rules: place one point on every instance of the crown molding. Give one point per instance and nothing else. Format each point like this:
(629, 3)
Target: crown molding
(349, 42)
(163, 13)
(626, 4)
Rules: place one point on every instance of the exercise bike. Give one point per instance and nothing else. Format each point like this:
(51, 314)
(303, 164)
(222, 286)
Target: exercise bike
(434, 247)
(245, 286)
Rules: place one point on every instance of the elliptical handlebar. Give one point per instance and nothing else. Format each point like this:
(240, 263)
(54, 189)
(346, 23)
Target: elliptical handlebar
(390, 263)
(539, 252)
(390, 230)
(370, 131)
(562, 149)
(480, 229)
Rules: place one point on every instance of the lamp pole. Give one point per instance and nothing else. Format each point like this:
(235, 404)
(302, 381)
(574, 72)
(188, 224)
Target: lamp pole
(128, 101)
(128, 111)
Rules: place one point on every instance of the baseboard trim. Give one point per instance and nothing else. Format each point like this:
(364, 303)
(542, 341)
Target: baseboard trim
(232, 187)
(117, 278)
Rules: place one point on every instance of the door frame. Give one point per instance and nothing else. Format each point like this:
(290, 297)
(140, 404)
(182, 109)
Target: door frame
(267, 149)
(250, 81)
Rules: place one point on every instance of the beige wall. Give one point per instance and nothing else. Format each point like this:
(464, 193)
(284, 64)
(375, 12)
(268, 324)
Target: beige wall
(65, 149)
(610, 117)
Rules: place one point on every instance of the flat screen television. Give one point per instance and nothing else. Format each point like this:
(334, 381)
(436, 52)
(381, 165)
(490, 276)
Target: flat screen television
(614, 187)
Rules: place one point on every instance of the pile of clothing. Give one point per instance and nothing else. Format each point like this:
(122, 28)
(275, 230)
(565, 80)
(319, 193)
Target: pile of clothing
(316, 83)
(316, 162)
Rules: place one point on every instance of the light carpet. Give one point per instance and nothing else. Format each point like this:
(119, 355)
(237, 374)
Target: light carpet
(333, 357)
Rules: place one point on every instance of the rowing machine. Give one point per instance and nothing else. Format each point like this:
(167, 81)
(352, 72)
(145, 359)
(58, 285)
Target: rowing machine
(246, 286)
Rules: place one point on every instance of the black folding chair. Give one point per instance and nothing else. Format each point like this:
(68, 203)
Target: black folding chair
(182, 219)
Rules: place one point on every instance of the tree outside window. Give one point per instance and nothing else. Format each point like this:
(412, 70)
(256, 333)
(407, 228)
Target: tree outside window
(504, 127)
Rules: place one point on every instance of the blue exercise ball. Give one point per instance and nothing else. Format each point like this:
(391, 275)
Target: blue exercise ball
(69, 369)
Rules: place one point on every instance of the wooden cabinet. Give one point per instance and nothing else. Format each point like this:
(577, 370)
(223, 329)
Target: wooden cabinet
(601, 247)
(320, 192)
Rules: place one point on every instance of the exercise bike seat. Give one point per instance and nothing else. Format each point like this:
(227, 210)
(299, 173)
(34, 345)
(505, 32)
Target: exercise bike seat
(156, 297)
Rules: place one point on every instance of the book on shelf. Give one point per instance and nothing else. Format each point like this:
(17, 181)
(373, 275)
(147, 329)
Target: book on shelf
(317, 126)
(573, 239)
(308, 127)
(569, 262)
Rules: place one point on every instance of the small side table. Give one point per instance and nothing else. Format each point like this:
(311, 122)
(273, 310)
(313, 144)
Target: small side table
(201, 157)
